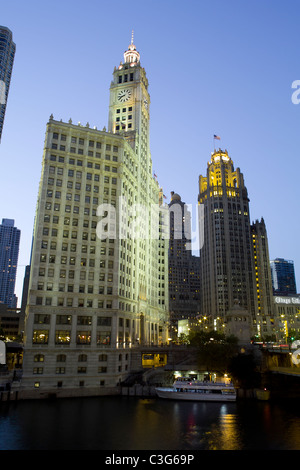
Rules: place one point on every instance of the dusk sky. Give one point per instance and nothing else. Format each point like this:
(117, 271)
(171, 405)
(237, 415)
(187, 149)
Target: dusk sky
(222, 67)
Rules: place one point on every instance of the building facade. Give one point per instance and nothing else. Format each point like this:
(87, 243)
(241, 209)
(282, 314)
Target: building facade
(184, 267)
(226, 253)
(283, 277)
(263, 280)
(7, 55)
(9, 253)
(98, 278)
(287, 317)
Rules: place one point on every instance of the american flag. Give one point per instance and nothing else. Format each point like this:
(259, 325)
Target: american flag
(217, 137)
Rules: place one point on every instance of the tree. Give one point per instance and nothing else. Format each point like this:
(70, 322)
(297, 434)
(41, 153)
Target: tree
(215, 350)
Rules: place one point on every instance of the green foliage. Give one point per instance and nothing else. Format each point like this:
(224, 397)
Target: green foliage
(215, 350)
(183, 339)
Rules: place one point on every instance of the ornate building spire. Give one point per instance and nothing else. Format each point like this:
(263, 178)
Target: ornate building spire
(131, 56)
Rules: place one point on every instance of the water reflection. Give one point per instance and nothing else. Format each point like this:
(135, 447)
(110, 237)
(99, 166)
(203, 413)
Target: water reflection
(126, 423)
(219, 433)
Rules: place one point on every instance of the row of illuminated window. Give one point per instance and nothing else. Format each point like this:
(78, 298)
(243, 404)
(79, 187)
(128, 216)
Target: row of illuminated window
(63, 337)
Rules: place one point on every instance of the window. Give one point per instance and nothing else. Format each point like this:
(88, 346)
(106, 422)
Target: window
(39, 358)
(40, 337)
(83, 337)
(62, 337)
(103, 338)
(102, 357)
(84, 320)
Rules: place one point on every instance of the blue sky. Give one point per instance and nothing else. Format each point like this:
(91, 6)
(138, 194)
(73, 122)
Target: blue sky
(214, 67)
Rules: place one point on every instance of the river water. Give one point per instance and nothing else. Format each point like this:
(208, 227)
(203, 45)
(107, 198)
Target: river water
(132, 423)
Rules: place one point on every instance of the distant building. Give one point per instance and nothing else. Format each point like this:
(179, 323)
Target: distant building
(263, 279)
(9, 253)
(287, 317)
(10, 322)
(184, 267)
(7, 54)
(283, 277)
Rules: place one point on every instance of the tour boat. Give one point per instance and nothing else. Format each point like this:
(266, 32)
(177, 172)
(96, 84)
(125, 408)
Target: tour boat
(193, 390)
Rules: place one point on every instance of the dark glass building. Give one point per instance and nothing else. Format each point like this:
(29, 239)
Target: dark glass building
(7, 54)
(184, 267)
(9, 253)
(283, 277)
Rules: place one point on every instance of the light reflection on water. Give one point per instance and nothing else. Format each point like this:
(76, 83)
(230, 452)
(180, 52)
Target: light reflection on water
(126, 423)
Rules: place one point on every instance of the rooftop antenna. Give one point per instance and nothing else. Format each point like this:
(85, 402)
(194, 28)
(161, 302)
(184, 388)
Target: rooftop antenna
(132, 37)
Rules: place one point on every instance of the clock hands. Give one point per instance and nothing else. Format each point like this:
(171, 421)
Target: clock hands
(124, 95)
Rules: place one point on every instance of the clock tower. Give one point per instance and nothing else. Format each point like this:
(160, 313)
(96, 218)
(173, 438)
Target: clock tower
(130, 100)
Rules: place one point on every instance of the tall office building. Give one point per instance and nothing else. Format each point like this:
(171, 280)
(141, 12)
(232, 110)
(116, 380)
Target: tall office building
(184, 267)
(9, 253)
(7, 54)
(226, 255)
(283, 277)
(98, 277)
(263, 279)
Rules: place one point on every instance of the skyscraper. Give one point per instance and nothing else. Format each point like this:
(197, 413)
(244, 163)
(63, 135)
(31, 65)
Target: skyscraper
(226, 256)
(283, 277)
(7, 54)
(9, 253)
(263, 279)
(184, 267)
(98, 277)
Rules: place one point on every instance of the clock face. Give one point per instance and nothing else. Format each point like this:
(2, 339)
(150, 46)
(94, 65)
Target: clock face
(146, 103)
(124, 95)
